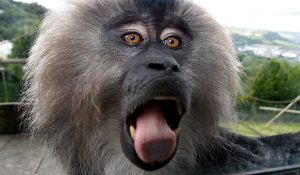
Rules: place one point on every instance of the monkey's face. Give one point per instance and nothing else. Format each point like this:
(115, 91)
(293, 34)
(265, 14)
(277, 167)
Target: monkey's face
(148, 79)
(155, 89)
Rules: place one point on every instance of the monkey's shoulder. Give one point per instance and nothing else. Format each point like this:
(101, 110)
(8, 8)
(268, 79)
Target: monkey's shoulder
(243, 154)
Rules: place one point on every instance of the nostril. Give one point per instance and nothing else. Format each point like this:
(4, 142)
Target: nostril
(175, 68)
(157, 66)
(162, 66)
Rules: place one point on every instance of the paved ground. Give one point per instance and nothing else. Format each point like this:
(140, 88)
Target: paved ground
(19, 156)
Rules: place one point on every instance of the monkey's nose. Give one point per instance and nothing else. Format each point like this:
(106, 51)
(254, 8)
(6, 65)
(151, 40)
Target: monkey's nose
(161, 66)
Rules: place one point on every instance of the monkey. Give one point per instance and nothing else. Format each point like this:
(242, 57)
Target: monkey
(141, 87)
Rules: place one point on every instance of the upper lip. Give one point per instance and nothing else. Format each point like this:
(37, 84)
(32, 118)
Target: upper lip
(163, 97)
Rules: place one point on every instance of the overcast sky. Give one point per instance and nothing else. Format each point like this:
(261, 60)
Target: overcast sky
(259, 14)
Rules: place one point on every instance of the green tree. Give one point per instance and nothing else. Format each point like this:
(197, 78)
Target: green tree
(13, 73)
(13, 77)
(17, 20)
(16, 16)
(271, 82)
(21, 46)
(293, 82)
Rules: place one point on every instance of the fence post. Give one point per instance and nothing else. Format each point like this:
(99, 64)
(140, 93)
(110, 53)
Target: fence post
(4, 83)
(254, 108)
(286, 108)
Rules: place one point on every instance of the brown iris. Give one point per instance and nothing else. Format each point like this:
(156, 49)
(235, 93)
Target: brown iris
(132, 38)
(172, 42)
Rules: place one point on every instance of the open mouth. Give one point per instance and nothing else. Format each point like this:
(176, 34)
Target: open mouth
(154, 128)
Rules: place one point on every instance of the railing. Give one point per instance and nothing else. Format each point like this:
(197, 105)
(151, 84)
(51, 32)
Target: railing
(3, 70)
(261, 111)
(9, 111)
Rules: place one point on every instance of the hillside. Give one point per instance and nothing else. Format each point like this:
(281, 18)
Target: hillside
(293, 36)
(264, 37)
(267, 43)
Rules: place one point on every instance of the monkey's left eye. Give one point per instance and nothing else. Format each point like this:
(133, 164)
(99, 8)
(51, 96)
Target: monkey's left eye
(133, 38)
(172, 42)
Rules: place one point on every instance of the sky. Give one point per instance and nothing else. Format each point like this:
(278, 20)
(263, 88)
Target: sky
(276, 15)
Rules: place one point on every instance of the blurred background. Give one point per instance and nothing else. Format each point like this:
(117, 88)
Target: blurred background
(266, 35)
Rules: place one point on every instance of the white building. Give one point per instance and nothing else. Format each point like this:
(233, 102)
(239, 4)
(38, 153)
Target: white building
(5, 48)
(289, 55)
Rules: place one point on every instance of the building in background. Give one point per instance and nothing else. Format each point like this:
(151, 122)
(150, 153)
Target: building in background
(5, 48)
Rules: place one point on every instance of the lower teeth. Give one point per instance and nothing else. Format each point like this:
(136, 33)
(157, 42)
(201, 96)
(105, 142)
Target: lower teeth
(132, 131)
(177, 131)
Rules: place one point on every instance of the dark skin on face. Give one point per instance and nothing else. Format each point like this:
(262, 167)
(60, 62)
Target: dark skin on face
(155, 51)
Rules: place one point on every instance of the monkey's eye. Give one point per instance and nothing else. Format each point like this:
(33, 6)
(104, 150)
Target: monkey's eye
(172, 42)
(133, 38)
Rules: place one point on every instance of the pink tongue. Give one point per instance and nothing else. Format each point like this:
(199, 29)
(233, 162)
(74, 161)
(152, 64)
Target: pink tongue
(154, 140)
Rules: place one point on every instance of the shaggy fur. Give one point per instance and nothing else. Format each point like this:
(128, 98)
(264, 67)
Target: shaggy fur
(74, 91)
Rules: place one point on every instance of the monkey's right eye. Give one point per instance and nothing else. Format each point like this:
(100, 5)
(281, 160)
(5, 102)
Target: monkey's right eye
(132, 38)
(172, 42)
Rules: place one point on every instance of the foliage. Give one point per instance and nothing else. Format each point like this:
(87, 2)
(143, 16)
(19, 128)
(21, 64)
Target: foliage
(252, 66)
(252, 63)
(277, 81)
(18, 16)
(13, 79)
(293, 82)
(269, 79)
(18, 19)
(269, 83)
(22, 45)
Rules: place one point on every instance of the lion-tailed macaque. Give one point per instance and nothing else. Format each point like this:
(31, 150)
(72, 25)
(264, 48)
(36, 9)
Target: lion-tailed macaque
(141, 87)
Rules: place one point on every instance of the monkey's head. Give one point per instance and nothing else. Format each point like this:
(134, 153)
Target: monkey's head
(111, 82)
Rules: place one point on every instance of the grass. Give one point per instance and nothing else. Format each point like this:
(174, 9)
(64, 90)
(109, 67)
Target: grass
(272, 129)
